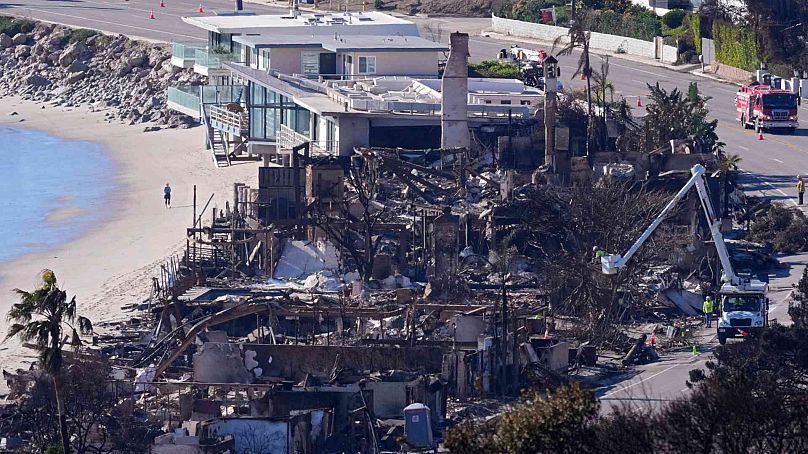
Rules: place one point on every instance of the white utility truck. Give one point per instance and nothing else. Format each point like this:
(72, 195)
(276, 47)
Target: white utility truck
(743, 303)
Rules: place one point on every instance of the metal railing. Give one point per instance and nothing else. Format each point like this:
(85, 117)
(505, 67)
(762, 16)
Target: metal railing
(233, 121)
(186, 96)
(223, 94)
(185, 51)
(211, 60)
(192, 97)
(289, 138)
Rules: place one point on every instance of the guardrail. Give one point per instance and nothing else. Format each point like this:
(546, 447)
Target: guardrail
(187, 98)
(185, 51)
(211, 60)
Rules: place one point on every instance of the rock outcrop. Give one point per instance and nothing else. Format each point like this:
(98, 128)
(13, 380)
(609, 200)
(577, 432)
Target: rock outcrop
(129, 78)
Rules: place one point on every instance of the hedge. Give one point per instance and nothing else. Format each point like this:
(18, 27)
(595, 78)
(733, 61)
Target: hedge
(695, 24)
(495, 69)
(735, 46)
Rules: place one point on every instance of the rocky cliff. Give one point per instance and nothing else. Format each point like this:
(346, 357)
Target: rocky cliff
(68, 67)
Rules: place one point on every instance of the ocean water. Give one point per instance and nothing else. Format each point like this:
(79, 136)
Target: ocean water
(51, 190)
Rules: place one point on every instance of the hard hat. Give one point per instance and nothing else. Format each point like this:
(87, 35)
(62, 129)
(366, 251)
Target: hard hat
(595, 248)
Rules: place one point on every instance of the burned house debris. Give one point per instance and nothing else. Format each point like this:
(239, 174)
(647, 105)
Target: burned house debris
(363, 303)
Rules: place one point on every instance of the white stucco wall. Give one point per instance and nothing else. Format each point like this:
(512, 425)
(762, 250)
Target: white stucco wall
(403, 63)
(612, 43)
(352, 132)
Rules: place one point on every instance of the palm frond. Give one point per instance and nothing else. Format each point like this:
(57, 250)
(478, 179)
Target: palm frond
(75, 340)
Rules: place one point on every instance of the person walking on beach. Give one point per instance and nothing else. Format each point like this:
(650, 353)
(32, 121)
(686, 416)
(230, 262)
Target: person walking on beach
(167, 195)
(800, 188)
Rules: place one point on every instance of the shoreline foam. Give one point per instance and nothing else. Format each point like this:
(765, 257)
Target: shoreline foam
(112, 262)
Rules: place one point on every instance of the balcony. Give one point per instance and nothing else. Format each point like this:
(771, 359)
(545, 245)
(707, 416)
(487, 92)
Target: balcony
(185, 99)
(184, 54)
(189, 99)
(206, 61)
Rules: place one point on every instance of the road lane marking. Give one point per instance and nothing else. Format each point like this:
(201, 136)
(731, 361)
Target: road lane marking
(153, 30)
(794, 202)
(743, 147)
(777, 160)
(639, 382)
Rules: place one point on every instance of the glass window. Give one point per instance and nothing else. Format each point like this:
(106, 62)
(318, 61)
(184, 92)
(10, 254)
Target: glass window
(256, 94)
(505, 101)
(749, 303)
(264, 60)
(257, 123)
(367, 65)
(779, 101)
(303, 121)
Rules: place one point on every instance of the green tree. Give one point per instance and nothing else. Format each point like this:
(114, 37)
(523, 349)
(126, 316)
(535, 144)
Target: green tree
(48, 319)
(671, 115)
(798, 307)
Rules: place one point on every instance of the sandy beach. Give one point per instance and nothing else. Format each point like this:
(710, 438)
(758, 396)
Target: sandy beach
(111, 265)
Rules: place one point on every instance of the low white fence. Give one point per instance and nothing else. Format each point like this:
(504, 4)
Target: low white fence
(602, 41)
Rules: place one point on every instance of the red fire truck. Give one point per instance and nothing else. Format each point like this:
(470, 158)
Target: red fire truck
(763, 107)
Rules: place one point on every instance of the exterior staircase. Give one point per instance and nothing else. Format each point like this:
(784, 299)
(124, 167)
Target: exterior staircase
(216, 143)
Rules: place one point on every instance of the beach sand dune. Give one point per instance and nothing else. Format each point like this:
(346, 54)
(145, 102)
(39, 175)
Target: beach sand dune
(112, 264)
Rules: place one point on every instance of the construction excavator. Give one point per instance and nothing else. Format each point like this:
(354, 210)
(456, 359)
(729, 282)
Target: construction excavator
(743, 303)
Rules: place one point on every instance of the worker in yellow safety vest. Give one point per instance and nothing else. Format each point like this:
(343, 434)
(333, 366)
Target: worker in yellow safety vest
(708, 311)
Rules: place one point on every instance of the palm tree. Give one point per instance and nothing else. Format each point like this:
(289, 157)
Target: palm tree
(44, 317)
(578, 37)
(729, 162)
(602, 83)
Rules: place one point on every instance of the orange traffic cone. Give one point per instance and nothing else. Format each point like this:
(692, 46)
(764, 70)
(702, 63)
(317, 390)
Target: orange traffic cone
(652, 341)
(200, 8)
(162, 4)
(639, 102)
(151, 14)
(583, 77)
(546, 334)
(760, 135)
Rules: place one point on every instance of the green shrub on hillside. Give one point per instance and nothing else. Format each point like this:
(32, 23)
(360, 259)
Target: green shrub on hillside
(81, 34)
(735, 46)
(494, 68)
(11, 26)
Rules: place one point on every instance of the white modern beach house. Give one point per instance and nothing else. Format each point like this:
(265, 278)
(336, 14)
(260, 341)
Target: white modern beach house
(333, 80)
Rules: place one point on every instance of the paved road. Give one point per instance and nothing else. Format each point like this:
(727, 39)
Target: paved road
(652, 385)
(771, 164)
(130, 17)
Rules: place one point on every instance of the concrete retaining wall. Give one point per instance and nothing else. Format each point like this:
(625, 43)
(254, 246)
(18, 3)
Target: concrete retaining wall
(732, 73)
(602, 41)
